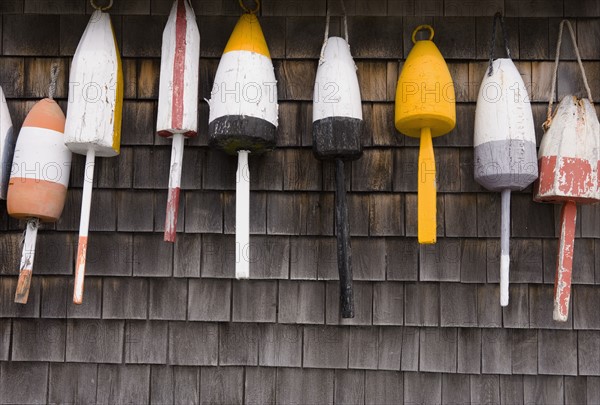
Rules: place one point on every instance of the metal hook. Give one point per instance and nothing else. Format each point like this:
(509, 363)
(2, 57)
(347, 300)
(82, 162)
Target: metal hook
(96, 7)
(247, 10)
(423, 27)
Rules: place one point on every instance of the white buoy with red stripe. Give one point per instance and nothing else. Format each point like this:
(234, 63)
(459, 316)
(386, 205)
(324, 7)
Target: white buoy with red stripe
(40, 176)
(243, 115)
(93, 126)
(8, 139)
(178, 96)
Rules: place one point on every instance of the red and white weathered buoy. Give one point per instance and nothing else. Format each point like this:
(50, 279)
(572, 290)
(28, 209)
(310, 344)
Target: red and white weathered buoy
(93, 126)
(569, 160)
(337, 131)
(505, 153)
(8, 140)
(178, 96)
(40, 176)
(243, 116)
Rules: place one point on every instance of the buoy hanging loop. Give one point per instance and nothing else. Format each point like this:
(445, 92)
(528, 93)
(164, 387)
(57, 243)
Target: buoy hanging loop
(548, 121)
(247, 10)
(423, 27)
(497, 17)
(53, 79)
(326, 36)
(96, 7)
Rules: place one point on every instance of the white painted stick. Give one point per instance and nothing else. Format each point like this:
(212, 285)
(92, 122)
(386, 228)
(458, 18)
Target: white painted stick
(86, 203)
(242, 217)
(505, 248)
(174, 188)
(27, 258)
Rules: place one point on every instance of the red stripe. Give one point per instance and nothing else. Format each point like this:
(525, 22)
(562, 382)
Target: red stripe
(179, 65)
(171, 217)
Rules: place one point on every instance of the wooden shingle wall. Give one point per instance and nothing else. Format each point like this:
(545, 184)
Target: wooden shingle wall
(169, 324)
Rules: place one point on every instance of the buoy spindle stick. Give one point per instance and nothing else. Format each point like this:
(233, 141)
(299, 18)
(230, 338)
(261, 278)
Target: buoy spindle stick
(344, 253)
(26, 268)
(426, 190)
(504, 247)
(86, 203)
(174, 188)
(242, 217)
(564, 262)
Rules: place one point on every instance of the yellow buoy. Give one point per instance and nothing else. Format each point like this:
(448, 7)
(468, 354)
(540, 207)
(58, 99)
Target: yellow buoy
(425, 108)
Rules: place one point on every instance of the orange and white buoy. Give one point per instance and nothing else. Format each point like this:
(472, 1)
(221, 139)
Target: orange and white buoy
(93, 126)
(40, 176)
(178, 96)
(8, 140)
(243, 116)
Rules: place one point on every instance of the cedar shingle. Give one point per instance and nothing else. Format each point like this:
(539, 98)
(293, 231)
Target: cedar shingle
(349, 387)
(388, 303)
(458, 303)
(125, 298)
(152, 257)
(187, 255)
(258, 213)
(590, 220)
(557, 352)
(469, 351)
(269, 257)
(422, 388)
(110, 254)
(20, 39)
(5, 334)
(485, 389)
(298, 386)
(543, 389)
(161, 384)
(459, 210)
(406, 166)
(186, 387)
(142, 36)
(473, 262)
(575, 390)
(484, 32)
(223, 385)
(524, 351)
(533, 33)
(386, 215)
(117, 173)
(496, 351)
(295, 79)
(489, 313)
(588, 352)
(134, 211)
(38, 340)
(218, 256)
(294, 8)
(280, 345)
(272, 28)
(139, 121)
(441, 261)
(410, 349)
(204, 212)
(583, 261)
(71, 383)
(421, 305)
(325, 347)
(402, 259)
(24, 383)
(301, 171)
(168, 299)
(37, 68)
(91, 308)
(373, 171)
(148, 75)
(389, 347)
(214, 30)
(585, 302)
(122, 384)
(94, 341)
(209, 300)
(384, 387)
(448, 164)
(312, 256)
(530, 219)
(301, 302)
(9, 309)
(455, 37)
(260, 385)
(541, 299)
(363, 348)
(438, 350)
(363, 304)
(254, 301)
(238, 344)
(387, 30)
(304, 36)
(593, 390)
(511, 389)
(516, 8)
(383, 129)
(193, 343)
(516, 314)
(456, 389)
(153, 175)
(146, 342)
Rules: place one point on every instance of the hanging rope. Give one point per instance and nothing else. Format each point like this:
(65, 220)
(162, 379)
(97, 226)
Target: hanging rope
(345, 16)
(326, 35)
(53, 79)
(107, 7)
(497, 17)
(548, 121)
(247, 10)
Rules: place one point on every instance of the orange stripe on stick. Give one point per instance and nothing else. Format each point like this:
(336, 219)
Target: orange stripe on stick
(564, 262)
(80, 270)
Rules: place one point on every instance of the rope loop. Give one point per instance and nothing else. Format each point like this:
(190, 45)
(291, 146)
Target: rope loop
(423, 27)
(497, 17)
(548, 121)
(53, 79)
(247, 10)
(107, 7)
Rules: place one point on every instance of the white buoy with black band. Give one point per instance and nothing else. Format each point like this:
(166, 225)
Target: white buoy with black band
(93, 126)
(337, 130)
(505, 153)
(178, 97)
(8, 140)
(243, 115)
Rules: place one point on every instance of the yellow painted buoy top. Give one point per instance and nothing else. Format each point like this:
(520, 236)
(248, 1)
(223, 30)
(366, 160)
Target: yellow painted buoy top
(248, 36)
(425, 91)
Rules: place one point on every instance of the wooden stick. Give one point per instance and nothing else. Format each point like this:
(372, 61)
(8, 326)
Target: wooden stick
(344, 253)
(242, 217)
(24, 283)
(505, 248)
(426, 188)
(86, 203)
(564, 261)
(174, 188)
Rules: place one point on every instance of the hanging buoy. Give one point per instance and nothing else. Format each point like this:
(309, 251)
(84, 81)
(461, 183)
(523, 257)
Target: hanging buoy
(243, 116)
(425, 108)
(569, 159)
(337, 128)
(93, 126)
(8, 140)
(505, 153)
(178, 96)
(40, 176)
